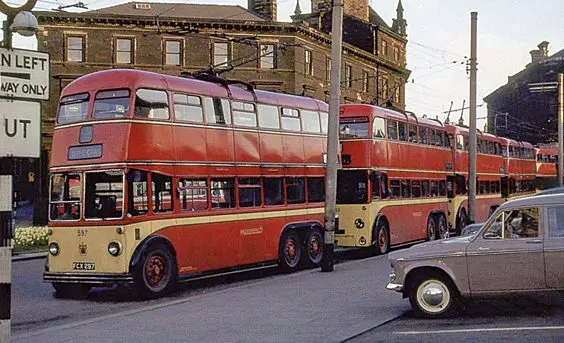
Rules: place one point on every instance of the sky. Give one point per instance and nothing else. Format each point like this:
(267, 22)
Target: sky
(438, 43)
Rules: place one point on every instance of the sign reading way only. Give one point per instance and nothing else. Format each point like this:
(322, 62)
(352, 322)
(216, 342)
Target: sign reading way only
(24, 74)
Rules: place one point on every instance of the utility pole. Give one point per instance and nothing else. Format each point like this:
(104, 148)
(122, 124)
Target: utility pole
(333, 138)
(560, 128)
(472, 140)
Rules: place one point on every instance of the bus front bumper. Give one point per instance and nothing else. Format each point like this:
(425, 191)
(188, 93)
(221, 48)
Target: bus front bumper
(89, 278)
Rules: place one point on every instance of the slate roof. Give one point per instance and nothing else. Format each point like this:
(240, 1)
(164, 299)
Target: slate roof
(180, 10)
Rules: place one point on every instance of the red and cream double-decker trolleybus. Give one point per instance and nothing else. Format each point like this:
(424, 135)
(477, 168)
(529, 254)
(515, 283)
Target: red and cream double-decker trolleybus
(157, 178)
(392, 188)
(490, 169)
(547, 160)
(520, 169)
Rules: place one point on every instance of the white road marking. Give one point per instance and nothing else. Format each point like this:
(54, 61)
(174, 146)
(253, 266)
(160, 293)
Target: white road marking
(480, 330)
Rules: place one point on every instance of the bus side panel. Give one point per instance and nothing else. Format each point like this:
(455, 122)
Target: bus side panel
(246, 147)
(189, 143)
(293, 149)
(406, 227)
(220, 145)
(313, 150)
(271, 150)
(150, 142)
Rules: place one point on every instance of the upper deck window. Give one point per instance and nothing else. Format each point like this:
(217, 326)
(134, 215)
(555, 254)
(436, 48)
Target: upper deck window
(324, 119)
(291, 119)
(268, 117)
(73, 108)
(244, 114)
(217, 111)
(353, 127)
(188, 108)
(111, 104)
(392, 129)
(379, 128)
(412, 131)
(310, 121)
(151, 104)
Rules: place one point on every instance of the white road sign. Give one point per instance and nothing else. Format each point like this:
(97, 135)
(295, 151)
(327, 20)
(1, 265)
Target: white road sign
(24, 74)
(19, 128)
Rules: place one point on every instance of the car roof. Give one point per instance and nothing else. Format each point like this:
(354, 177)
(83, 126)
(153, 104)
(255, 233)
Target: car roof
(536, 200)
(555, 190)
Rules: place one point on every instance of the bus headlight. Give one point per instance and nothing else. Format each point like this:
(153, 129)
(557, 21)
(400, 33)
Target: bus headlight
(54, 248)
(114, 248)
(359, 223)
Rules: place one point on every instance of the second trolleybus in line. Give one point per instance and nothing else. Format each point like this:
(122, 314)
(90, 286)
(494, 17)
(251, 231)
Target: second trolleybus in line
(404, 179)
(158, 178)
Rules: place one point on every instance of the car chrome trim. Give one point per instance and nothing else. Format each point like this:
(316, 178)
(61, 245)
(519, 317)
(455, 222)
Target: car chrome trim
(479, 252)
(394, 287)
(426, 257)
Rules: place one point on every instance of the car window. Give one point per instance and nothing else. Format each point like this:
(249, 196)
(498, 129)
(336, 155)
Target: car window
(556, 221)
(514, 224)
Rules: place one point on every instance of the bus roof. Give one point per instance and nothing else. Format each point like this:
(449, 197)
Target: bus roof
(133, 79)
(458, 130)
(355, 110)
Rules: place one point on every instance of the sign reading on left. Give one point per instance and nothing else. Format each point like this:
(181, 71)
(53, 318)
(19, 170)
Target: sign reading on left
(19, 128)
(24, 74)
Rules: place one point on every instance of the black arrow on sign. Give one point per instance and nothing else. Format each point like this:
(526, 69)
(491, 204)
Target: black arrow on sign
(23, 76)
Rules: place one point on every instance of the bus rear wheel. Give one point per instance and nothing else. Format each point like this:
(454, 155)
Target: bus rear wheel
(381, 237)
(290, 251)
(71, 290)
(156, 273)
(442, 228)
(431, 228)
(313, 248)
(462, 221)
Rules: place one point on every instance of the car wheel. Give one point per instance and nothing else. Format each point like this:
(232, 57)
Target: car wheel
(381, 237)
(431, 228)
(462, 221)
(433, 296)
(442, 228)
(290, 251)
(314, 248)
(71, 290)
(156, 273)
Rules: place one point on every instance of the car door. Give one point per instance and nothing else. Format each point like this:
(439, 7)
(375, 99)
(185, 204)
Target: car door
(554, 247)
(508, 254)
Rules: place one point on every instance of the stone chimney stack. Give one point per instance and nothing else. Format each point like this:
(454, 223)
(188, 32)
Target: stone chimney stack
(263, 8)
(541, 53)
(353, 8)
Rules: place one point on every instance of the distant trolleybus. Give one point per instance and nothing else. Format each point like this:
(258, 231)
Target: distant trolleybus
(392, 188)
(158, 178)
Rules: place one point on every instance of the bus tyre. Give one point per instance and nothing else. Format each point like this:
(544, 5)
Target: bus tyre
(462, 221)
(155, 274)
(381, 237)
(313, 248)
(442, 228)
(433, 295)
(290, 252)
(71, 290)
(431, 228)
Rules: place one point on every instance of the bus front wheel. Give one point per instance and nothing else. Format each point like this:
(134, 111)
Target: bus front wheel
(156, 272)
(71, 290)
(381, 237)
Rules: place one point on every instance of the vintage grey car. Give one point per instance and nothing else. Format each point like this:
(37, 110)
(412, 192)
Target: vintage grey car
(520, 249)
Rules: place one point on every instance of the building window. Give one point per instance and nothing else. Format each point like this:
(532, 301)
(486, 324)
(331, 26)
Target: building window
(396, 53)
(124, 50)
(75, 49)
(384, 47)
(365, 79)
(267, 56)
(220, 54)
(308, 63)
(348, 75)
(172, 52)
(328, 70)
(385, 89)
(397, 92)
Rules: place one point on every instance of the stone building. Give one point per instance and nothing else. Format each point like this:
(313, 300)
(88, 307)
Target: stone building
(238, 43)
(526, 107)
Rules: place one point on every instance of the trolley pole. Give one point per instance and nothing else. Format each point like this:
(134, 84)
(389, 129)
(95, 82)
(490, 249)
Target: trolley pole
(472, 140)
(333, 138)
(560, 129)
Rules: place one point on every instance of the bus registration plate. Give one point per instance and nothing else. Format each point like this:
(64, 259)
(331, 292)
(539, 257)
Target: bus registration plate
(83, 266)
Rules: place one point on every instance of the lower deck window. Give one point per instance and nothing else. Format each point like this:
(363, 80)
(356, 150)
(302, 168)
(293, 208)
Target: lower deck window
(104, 195)
(315, 189)
(162, 192)
(193, 194)
(223, 193)
(295, 190)
(273, 191)
(249, 192)
(138, 196)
